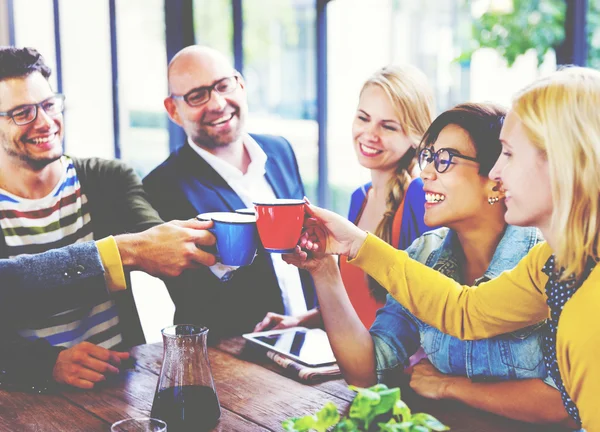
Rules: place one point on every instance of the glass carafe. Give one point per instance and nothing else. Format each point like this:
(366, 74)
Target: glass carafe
(185, 397)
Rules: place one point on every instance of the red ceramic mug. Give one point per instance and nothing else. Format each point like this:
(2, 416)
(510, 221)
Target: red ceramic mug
(279, 223)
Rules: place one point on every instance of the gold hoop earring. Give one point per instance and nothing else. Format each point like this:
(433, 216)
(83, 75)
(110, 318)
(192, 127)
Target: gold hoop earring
(493, 200)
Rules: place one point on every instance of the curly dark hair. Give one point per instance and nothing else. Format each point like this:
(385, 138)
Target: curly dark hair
(20, 62)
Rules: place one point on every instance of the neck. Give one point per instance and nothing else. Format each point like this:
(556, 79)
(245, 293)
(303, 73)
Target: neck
(234, 153)
(22, 180)
(380, 181)
(479, 242)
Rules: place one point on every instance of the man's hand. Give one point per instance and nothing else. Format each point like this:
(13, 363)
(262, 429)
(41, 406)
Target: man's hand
(428, 382)
(168, 249)
(85, 364)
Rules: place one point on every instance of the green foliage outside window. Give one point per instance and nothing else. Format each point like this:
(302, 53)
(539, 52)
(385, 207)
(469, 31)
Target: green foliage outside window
(532, 24)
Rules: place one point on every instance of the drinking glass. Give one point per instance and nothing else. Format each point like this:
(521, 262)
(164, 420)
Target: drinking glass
(139, 425)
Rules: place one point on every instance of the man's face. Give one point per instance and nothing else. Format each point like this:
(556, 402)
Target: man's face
(219, 121)
(35, 144)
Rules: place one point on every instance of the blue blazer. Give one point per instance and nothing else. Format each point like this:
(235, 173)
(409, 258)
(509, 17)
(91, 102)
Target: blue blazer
(184, 186)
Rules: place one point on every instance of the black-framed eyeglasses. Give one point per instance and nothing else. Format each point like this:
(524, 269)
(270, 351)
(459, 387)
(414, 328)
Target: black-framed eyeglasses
(25, 114)
(442, 159)
(201, 95)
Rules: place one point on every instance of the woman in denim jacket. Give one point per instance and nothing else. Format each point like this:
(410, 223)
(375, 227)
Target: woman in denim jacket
(506, 374)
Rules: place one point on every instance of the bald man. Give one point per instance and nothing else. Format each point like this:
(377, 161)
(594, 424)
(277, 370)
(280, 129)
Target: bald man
(221, 167)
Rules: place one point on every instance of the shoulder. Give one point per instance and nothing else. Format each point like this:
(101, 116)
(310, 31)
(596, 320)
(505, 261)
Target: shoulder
(165, 171)
(427, 243)
(90, 169)
(415, 189)
(273, 144)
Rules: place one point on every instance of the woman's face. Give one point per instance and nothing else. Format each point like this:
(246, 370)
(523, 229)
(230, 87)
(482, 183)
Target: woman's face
(458, 195)
(379, 140)
(525, 175)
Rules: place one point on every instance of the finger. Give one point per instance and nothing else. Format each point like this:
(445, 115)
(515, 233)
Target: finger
(306, 200)
(194, 224)
(99, 366)
(203, 238)
(91, 376)
(264, 323)
(201, 257)
(117, 356)
(82, 384)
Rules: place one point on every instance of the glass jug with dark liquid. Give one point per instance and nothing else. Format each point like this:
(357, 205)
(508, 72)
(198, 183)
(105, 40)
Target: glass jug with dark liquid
(185, 394)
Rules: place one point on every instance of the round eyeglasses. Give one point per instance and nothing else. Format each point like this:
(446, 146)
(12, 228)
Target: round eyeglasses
(442, 159)
(201, 95)
(25, 114)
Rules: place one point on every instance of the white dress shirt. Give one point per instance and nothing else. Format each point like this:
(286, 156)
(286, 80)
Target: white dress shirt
(250, 187)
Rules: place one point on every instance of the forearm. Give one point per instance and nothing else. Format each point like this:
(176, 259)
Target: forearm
(350, 340)
(529, 400)
(508, 302)
(311, 319)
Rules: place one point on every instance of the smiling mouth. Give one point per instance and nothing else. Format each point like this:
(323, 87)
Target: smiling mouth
(221, 120)
(369, 151)
(42, 140)
(434, 198)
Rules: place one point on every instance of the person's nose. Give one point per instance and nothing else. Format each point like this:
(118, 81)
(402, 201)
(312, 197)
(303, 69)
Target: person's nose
(429, 172)
(43, 120)
(370, 133)
(216, 102)
(496, 171)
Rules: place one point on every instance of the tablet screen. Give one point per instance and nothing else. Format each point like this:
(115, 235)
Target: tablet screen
(310, 347)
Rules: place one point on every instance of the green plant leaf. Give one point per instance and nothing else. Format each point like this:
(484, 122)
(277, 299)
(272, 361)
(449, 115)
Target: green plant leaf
(324, 418)
(429, 421)
(401, 410)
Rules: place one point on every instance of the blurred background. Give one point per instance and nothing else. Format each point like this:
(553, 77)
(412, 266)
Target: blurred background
(304, 62)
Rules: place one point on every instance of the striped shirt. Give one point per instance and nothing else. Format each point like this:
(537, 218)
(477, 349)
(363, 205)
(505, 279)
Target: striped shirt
(61, 218)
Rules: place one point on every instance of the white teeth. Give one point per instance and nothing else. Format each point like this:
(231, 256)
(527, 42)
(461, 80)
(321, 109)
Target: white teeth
(369, 150)
(222, 119)
(434, 198)
(43, 140)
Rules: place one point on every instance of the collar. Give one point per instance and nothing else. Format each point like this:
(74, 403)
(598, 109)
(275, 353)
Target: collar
(514, 245)
(256, 168)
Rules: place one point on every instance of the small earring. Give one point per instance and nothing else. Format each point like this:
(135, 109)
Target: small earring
(493, 200)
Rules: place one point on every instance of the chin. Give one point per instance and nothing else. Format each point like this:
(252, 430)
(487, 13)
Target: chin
(513, 218)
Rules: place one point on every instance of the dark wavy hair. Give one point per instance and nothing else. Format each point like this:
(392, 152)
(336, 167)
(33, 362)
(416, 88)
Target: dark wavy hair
(20, 62)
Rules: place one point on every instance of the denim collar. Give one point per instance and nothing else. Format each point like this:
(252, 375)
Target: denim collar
(514, 245)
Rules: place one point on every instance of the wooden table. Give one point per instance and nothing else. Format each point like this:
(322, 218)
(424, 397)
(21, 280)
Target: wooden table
(255, 395)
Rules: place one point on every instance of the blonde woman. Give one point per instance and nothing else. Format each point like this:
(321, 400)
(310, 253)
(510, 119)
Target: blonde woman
(394, 110)
(549, 168)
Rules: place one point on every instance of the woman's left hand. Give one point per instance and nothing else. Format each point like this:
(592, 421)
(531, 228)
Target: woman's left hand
(428, 382)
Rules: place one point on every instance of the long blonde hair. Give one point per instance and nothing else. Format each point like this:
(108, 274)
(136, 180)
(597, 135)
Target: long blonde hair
(560, 116)
(412, 98)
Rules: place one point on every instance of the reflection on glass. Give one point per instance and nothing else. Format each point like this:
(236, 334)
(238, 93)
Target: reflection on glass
(143, 83)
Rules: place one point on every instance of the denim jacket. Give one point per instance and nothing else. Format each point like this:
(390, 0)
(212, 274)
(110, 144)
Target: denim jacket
(397, 334)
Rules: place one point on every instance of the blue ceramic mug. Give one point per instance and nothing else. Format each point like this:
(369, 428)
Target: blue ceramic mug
(237, 238)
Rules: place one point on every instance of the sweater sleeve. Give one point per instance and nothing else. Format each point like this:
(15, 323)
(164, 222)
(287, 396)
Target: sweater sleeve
(513, 300)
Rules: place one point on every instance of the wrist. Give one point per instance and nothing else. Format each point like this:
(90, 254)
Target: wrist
(127, 244)
(356, 244)
(452, 387)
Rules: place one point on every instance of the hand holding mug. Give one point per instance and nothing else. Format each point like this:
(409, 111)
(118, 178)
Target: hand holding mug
(327, 233)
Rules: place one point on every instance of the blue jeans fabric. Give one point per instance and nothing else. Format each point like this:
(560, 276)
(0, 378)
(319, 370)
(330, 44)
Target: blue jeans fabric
(398, 334)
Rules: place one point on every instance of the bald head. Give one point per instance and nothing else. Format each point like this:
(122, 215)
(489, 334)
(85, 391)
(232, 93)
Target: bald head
(216, 119)
(193, 62)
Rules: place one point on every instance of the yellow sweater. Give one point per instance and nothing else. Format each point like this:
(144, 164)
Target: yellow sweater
(513, 300)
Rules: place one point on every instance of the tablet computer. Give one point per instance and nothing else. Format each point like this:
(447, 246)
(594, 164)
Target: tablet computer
(307, 346)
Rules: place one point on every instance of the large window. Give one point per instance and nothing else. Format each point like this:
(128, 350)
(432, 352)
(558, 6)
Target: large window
(143, 83)
(280, 71)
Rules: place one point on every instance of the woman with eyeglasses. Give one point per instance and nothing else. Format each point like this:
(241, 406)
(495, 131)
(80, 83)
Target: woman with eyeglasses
(395, 108)
(505, 374)
(549, 169)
